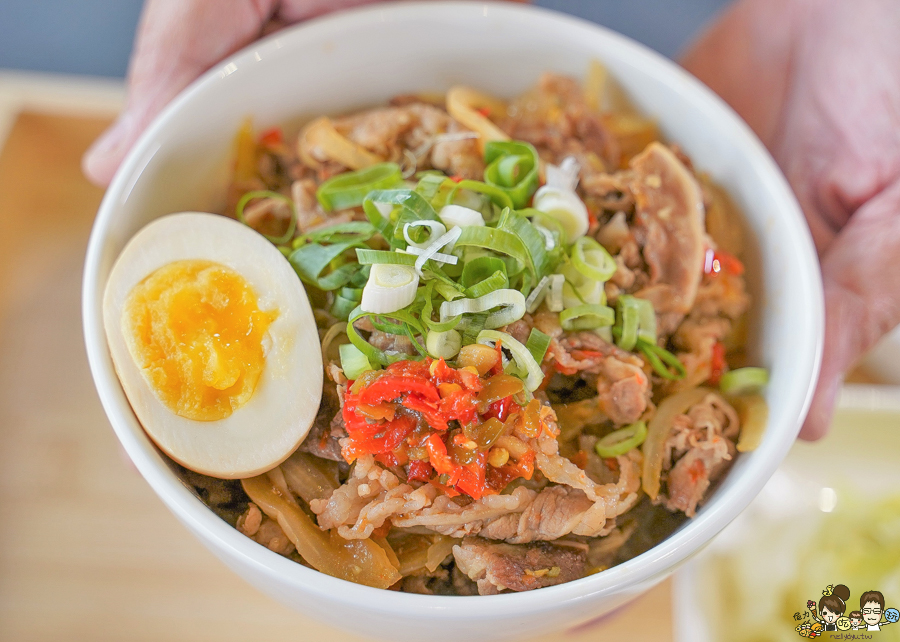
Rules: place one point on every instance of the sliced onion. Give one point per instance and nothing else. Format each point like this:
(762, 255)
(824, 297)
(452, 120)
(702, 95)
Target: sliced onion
(435, 230)
(510, 302)
(390, 288)
(754, 414)
(565, 207)
(658, 431)
(459, 216)
(448, 238)
(565, 175)
(528, 369)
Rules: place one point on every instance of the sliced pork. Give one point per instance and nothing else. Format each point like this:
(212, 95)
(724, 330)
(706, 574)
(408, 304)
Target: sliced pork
(501, 567)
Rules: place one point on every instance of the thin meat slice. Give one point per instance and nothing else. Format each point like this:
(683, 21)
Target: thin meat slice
(699, 449)
(500, 567)
(555, 512)
(669, 221)
(623, 388)
(555, 118)
(433, 137)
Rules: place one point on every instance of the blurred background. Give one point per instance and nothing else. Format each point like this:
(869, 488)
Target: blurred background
(94, 37)
(87, 552)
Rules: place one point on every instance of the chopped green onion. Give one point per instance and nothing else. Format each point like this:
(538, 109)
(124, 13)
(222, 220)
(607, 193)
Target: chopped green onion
(526, 366)
(533, 241)
(498, 196)
(459, 216)
(565, 175)
(499, 241)
(435, 231)
(662, 361)
(578, 289)
(566, 207)
(479, 269)
(390, 288)
(621, 441)
(497, 281)
(292, 224)
(586, 317)
(366, 256)
(345, 300)
(743, 381)
(511, 304)
(592, 260)
(353, 361)
(350, 188)
(380, 207)
(342, 307)
(472, 325)
(552, 225)
(443, 345)
(359, 231)
(310, 262)
(433, 250)
(407, 322)
(428, 308)
(636, 320)
(537, 344)
(513, 167)
(537, 296)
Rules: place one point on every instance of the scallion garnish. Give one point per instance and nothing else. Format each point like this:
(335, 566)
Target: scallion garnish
(512, 166)
(353, 361)
(350, 188)
(292, 223)
(621, 441)
(744, 381)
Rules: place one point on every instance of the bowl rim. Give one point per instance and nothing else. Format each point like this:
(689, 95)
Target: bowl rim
(650, 566)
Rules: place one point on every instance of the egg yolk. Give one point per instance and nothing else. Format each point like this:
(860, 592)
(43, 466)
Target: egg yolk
(196, 331)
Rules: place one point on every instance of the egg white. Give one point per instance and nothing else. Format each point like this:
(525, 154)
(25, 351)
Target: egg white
(268, 428)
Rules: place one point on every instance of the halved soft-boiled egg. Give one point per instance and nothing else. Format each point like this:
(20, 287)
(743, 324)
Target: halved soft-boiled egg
(215, 344)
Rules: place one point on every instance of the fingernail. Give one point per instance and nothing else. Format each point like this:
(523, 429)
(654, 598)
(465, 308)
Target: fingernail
(111, 140)
(102, 158)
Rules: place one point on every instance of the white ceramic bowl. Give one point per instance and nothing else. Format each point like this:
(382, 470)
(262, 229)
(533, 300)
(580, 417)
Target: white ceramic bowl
(363, 58)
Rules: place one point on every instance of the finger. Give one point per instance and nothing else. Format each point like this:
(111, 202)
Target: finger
(177, 41)
(862, 297)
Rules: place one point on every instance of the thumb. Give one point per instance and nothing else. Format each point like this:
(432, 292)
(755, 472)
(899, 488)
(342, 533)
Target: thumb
(862, 297)
(177, 41)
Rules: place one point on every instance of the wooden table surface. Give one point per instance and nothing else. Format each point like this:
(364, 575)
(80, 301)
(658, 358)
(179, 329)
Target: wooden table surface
(87, 551)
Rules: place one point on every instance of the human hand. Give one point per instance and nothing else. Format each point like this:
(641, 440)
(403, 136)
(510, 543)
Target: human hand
(819, 82)
(177, 40)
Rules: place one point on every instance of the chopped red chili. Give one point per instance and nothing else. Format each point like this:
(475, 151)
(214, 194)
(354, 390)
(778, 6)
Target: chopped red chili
(500, 409)
(719, 260)
(271, 137)
(403, 417)
(420, 470)
(389, 387)
(717, 364)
